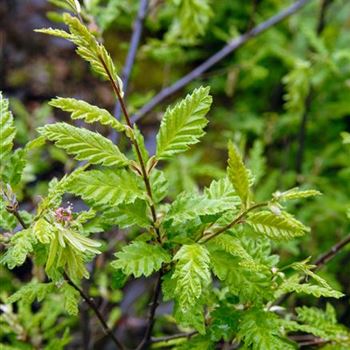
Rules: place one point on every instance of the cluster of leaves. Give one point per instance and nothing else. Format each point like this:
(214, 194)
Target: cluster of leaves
(212, 248)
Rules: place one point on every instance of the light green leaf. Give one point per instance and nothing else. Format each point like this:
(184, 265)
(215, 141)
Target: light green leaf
(21, 245)
(31, 291)
(71, 299)
(295, 193)
(7, 128)
(84, 144)
(43, 231)
(182, 125)
(107, 187)
(82, 110)
(238, 174)
(140, 258)
(159, 185)
(192, 274)
(276, 227)
(54, 32)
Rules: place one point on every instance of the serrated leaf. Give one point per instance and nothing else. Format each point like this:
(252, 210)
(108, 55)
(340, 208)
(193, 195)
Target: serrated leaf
(188, 206)
(54, 32)
(183, 124)
(43, 231)
(7, 129)
(310, 289)
(233, 246)
(237, 173)
(159, 185)
(140, 258)
(22, 243)
(14, 166)
(71, 299)
(295, 193)
(107, 187)
(223, 190)
(276, 227)
(82, 110)
(84, 144)
(126, 215)
(31, 291)
(90, 50)
(191, 273)
(260, 331)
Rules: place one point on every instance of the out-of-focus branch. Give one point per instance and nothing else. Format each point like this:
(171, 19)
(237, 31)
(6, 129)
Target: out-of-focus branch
(134, 44)
(220, 55)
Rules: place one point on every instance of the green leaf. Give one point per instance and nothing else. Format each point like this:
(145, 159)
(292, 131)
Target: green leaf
(7, 127)
(223, 190)
(233, 246)
(238, 174)
(126, 215)
(21, 245)
(260, 331)
(82, 110)
(13, 169)
(31, 291)
(89, 49)
(188, 206)
(84, 144)
(54, 32)
(276, 227)
(43, 231)
(140, 258)
(295, 193)
(183, 124)
(159, 185)
(192, 274)
(71, 299)
(107, 187)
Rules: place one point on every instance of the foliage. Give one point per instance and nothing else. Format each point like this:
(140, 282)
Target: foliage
(225, 246)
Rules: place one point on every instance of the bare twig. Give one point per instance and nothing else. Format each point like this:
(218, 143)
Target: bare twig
(152, 312)
(95, 309)
(134, 44)
(220, 55)
(173, 336)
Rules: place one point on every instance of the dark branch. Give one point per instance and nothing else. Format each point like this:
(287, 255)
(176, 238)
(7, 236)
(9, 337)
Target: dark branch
(220, 55)
(152, 312)
(95, 309)
(134, 44)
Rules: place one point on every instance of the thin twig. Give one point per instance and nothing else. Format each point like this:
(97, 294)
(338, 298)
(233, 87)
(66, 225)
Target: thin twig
(173, 336)
(232, 223)
(94, 307)
(220, 55)
(152, 312)
(134, 44)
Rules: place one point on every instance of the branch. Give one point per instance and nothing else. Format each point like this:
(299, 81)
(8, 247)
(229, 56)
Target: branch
(173, 336)
(135, 40)
(147, 337)
(95, 309)
(220, 55)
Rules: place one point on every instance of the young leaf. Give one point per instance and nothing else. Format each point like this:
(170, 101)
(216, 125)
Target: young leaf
(295, 193)
(106, 187)
(54, 32)
(82, 110)
(71, 299)
(192, 274)
(43, 231)
(183, 124)
(84, 144)
(140, 258)
(7, 128)
(31, 291)
(21, 245)
(276, 227)
(159, 185)
(238, 174)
